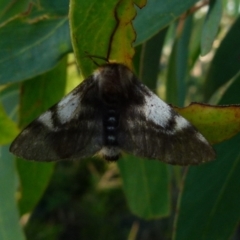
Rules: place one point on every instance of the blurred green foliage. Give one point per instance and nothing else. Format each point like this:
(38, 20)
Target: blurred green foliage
(135, 199)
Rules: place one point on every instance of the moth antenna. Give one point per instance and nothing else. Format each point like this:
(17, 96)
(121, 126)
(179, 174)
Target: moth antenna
(96, 56)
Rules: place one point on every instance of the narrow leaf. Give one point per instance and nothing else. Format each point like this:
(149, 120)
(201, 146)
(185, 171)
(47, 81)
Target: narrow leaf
(231, 94)
(145, 183)
(171, 84)
(150, 59)
(209, 205)
(9, 217)
(194, 43)
(178, 65)
(225, 63)
(182, 58)
(211, 25)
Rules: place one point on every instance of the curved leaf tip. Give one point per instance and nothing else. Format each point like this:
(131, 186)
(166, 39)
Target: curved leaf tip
(140, 3)
(124, 35)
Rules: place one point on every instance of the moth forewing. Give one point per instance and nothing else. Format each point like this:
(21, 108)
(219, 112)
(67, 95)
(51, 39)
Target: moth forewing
(69, 130)
(111, 112)
(154, 130)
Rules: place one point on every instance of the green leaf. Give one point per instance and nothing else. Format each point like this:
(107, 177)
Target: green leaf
(124, 35)
(102, 28)
(38, 48)
(149, 59)
(211, 25)
(183, 58)
(216, 123)
(178, 66)
(171, 84)
(8, 128)
(53, 7)
(38, 95)
(209, 205)
(10, 9)
(91, 26)
(146, 186)
(211, 192)
(9, 101)
(156, 15)
(9, 217)
(225, 63)
(231, 94)
(9, 97)
(194, 44)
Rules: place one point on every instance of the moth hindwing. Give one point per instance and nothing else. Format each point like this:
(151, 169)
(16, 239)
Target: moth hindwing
(109, 113)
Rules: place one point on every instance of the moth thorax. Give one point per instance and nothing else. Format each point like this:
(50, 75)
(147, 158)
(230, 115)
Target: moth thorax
(114, 79)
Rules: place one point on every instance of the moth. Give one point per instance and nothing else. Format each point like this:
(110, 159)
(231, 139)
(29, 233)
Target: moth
(112, 112)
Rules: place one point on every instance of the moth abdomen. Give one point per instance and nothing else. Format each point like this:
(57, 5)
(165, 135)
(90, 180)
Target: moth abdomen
(110, 125)
(110, 150)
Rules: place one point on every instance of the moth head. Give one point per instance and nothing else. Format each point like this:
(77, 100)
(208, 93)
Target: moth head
(113, 79)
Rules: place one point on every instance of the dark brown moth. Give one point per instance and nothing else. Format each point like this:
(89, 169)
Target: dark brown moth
(109, 113)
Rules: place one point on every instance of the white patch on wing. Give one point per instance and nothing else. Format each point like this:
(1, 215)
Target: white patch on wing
(46, 119)
(201, 137)
(96, 74)
(181, 123)
(157, 110)
(66, 108)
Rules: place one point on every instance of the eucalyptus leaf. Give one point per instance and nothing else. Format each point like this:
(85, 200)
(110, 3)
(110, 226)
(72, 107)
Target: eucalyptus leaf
(10, 228)
(29, 49)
